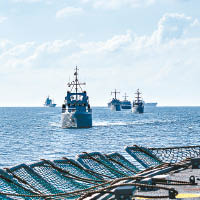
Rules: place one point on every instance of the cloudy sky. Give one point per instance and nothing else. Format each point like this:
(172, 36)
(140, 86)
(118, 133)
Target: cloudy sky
(153, 45)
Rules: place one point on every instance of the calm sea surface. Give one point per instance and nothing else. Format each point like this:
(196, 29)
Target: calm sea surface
(29, 134)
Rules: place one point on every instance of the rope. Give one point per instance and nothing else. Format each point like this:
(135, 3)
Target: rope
(78, 192)
(127, 178)
(101, 185)
(162, 166)
(172, 182)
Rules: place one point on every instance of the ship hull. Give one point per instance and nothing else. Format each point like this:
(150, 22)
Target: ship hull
(116, 107)
(77, 120)
(50, 105)
(138, 109)
(126, 106)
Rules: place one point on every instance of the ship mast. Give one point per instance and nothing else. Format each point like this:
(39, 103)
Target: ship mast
(115, 92)
(138, 96)
(76, 83)
(125, 97)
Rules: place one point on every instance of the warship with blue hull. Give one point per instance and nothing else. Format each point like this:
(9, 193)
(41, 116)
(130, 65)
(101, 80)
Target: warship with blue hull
(138, 103)
(115, 104)
(125, 104)
(49, 102)
(76, 111)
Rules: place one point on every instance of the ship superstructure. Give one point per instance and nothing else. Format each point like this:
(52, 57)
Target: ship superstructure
(115, 104)
(76, 111)
(49, 102)
(138, 104)
(125, 104)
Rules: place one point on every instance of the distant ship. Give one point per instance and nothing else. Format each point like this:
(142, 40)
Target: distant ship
(138, 104)
(76, 111)
(153, 104)
(125, 104)
(49, 102)
(115, 104)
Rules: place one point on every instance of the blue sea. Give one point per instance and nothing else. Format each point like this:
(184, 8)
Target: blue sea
(30, 134)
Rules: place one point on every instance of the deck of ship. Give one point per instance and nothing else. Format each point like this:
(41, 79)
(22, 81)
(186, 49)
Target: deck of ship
(152, 173)
(173, 182)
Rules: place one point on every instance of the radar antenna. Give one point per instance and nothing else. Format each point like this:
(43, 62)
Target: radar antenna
(76, 83)
(115, 92)
(138, 97)
(125, 97)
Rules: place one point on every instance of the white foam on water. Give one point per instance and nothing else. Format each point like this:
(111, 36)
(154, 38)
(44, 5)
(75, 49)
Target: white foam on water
(55, 124)
(123, 123)
(105, 123)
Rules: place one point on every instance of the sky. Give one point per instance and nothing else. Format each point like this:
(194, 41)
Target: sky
(152, 45)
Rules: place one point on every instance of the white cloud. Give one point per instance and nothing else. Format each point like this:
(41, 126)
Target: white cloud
(117, 4)
(195, 23)
(114, 44)
(2, 19)
(165, 64)
(4, 43)
(68, 11)
(172, 26)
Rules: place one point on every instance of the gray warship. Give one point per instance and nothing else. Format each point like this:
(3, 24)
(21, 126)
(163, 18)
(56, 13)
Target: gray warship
(138, 104)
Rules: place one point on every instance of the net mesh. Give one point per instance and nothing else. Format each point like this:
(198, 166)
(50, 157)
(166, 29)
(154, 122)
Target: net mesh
(176, 154)
(100, 164)
(60, 181)
(123, 164)
(75, 168)
(144, 156)
(9, 185)
(4, 197)
(34, 179)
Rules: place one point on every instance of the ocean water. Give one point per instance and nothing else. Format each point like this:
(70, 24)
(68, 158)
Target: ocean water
(30, 134)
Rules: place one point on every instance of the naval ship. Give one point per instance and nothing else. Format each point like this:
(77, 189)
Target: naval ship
(76, 111)
(125, 104)
(49, 102)
(115, 104)
(138, 104)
